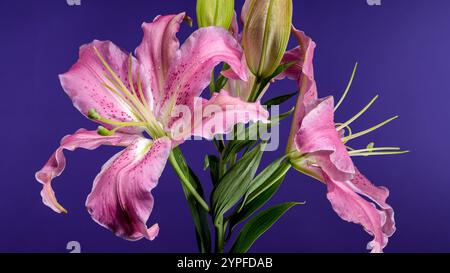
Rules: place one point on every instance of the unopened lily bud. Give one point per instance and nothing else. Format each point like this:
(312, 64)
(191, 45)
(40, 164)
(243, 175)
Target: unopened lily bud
(266, 34)
(215, 13)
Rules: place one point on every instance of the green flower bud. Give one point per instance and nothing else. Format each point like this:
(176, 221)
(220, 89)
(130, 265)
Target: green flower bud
(266, 34)
(215, 13)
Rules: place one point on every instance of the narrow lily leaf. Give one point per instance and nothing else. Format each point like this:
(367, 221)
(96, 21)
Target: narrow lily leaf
(268, 176)
(235, 183)
(212, 84)
(221, 80)
(206, 163)
(252, 131)
(199, 215)
(258, 225)
(220, 83)
(236, 146)
(279, 100)
(246, 138)
(251, 207)
(212, 163)
(262, 189)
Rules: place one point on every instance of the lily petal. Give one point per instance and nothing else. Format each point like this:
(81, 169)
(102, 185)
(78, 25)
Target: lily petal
(302, 56)
(84, 82)
(190, 73)
(56, 164)
(121, 198)
(238, 87)
(218, 116)
(318, 134)
(353, 208)
(306, 82)
(158, 50)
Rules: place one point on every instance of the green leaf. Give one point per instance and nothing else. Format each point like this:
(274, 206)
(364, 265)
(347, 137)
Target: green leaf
(252, 206)
(279, 100)
(235, 182)
(212, 162)
(266, 178)
(220, 83)
(199, 215)
(258, 225)
(236, 146)
(221, 80)
(261, 190)
(244, 139)
(212, 84)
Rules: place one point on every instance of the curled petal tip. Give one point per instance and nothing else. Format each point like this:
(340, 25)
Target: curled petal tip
(152, 232)
(48, 196)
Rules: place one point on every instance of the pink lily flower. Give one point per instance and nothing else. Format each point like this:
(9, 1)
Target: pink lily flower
(318, 148)
(129, 96)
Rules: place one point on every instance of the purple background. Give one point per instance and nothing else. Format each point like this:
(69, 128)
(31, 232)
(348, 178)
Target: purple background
(401, 46)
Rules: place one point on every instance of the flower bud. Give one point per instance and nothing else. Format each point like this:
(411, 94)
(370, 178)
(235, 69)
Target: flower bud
(266, 34)
(215, 13)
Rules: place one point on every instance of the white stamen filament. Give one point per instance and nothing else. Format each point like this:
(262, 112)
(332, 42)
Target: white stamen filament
(380, 153)
(347, 89)
(360, 113)
(137, 103)
(353, 136)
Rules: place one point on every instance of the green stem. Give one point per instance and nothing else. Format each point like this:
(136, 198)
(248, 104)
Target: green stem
(186, 182)
(220, 237)
(255, 90)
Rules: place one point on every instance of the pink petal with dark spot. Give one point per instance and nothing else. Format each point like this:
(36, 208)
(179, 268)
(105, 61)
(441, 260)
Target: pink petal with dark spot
(158, 50)
(121, 198)
(83, 82)
(190, 73)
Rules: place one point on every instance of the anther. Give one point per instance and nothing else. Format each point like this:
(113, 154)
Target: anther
(92, 114)
(104, 132)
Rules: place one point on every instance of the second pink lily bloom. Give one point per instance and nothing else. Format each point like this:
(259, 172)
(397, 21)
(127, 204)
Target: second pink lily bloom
(317, 149)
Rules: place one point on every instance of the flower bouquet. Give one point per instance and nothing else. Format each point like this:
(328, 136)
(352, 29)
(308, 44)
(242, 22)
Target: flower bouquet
(154, 100)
